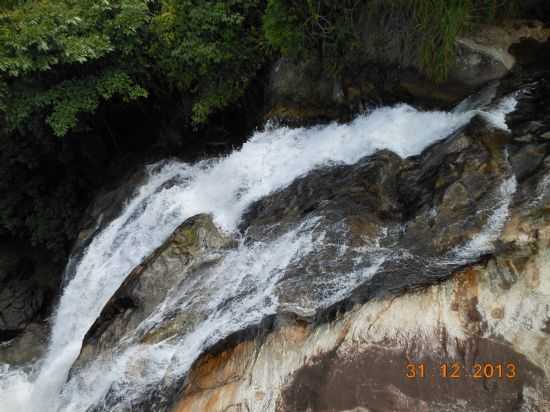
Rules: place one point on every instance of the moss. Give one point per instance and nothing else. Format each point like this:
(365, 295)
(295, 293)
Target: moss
(163, 332)
(186, 237)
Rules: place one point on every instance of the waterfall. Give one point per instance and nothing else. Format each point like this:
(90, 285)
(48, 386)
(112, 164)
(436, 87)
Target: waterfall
(242, 287)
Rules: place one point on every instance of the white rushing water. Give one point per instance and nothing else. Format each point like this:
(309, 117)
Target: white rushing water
(483, 243)
(224, 187)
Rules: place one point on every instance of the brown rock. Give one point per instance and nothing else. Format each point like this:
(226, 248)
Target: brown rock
(359, 362)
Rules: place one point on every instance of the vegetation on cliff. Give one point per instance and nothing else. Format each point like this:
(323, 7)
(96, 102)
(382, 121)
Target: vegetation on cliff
(83, 82)
(334, 29)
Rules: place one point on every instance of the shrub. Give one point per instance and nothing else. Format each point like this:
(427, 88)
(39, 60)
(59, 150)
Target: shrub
(300, 27)
(207, 50)
(438, 23)
(323, 27)
(60, 58)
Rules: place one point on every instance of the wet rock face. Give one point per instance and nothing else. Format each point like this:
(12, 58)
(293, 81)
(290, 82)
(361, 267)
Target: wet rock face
(336, 383)
(452, 339)
(191, 246)
(447, 253)
(413, 218)
(477, 320)
(28, 346)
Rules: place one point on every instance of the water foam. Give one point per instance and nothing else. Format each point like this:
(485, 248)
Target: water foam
(224, 187)
(237, 292)
(483, 242)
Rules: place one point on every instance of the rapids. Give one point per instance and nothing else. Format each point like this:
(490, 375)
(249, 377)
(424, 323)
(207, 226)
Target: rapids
(240, 290)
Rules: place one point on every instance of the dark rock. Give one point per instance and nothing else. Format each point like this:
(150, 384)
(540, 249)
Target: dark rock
(29, 282)
(30, 345)
(426, 207)
(532, 114)
(528, 138)
(527, 160)
(436, 349)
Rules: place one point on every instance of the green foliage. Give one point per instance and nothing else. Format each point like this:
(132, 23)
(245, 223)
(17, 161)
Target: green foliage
(67, 99)
(66, 68)
(208, 50)
(328, 28)
(332, 29)
(40, 198)
(437, 23)
(283, 29)
(45, 34)
(61, 58)
(10, 4)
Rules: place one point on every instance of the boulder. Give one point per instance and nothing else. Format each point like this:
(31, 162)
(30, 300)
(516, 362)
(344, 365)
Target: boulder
(193, 244)
(425, 209)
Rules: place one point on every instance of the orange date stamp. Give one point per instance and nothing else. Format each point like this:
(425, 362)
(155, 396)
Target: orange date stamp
(456, 370)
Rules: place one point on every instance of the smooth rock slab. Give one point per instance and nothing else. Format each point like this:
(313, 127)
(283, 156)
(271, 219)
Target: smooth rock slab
(359, 361)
